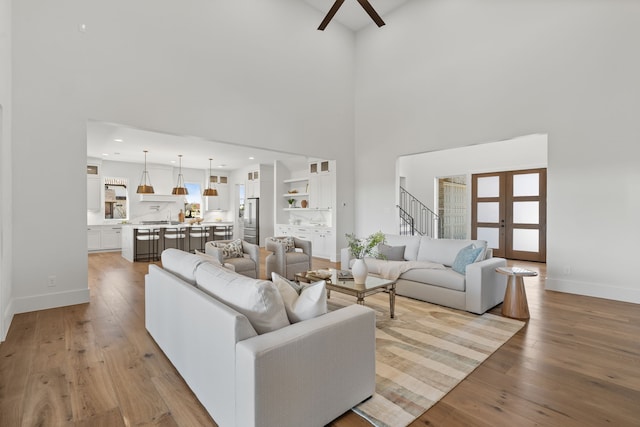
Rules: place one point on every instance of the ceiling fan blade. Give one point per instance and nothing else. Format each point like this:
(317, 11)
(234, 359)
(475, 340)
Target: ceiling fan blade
(371, 11)
(330, 14)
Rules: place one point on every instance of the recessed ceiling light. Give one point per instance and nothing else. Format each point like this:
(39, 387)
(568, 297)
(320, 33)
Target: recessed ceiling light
(118, 140)
(221, 166)
(251, 158)
(105, 154)
(173, 161)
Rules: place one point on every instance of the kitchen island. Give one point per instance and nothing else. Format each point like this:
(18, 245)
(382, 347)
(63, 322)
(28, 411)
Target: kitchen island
(190, 237)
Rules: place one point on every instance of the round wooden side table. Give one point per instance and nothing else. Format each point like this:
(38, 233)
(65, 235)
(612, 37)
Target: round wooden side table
(515, 298)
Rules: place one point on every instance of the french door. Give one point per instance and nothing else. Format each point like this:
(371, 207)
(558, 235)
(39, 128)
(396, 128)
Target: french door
(509, 211)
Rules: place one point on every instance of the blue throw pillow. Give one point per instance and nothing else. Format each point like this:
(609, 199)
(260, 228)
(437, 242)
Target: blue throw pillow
(466, 256)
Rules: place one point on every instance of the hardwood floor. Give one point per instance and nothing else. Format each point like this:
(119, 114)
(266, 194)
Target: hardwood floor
(576, 363)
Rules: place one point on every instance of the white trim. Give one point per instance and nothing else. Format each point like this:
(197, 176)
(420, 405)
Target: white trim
(7, 318)
(46, 301)
(597, 290)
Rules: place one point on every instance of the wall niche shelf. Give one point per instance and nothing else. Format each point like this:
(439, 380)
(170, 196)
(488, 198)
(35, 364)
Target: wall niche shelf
(307, 209)
(295, 195)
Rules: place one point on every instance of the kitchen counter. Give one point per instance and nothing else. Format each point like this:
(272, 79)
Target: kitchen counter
(129, 243)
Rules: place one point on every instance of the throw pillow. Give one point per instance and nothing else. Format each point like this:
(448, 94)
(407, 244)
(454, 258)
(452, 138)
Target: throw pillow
(301, 301)
(466, 256)
(288, 242)
(232, 249)
(258, 300)
(391, 253)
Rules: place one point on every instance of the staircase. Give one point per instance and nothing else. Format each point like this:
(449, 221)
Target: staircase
(415, 217)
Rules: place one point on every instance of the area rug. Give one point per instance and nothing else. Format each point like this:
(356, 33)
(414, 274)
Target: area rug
(423, 354)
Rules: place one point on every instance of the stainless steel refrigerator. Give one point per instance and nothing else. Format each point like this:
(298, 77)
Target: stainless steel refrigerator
(252, 220)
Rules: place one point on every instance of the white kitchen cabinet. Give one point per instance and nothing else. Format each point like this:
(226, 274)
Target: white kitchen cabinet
(284, 230)
(111, 238)
(104, 238)
(323, 243)
(303, 233)
(93, 188)
(322, 190)
(94, 238)
(252, 184)
(221, 201)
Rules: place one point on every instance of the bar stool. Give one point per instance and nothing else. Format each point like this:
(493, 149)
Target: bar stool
(148, 237)
(174, 238)
(222, 232)
(200, 234)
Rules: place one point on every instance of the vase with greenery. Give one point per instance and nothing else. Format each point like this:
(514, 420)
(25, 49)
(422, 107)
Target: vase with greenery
(360, 248)
(292, 202)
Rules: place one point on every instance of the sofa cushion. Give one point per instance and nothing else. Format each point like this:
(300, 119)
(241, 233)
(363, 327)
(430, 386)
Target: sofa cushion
(181, 263)
(391, 253)
(466, 256)
(258, 300)
(446, 278)
(231, 249)
(411, 244)
(301, 301)
(444, 251)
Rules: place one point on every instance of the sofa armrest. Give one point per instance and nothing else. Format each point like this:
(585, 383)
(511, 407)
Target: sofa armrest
(308, 372)
(303, 244)
(179, 317)
(252, 250)
(214, 251)
(484, 287)
(345, 257)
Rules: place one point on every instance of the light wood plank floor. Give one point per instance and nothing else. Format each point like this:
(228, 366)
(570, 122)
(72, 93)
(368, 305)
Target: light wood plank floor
(576, 363)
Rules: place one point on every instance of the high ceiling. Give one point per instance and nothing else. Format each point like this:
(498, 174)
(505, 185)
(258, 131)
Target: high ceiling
(113, 142)
(352, 15)
(120, 143)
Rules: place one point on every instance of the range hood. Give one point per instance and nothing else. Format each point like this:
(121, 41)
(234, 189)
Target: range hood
(155, 198)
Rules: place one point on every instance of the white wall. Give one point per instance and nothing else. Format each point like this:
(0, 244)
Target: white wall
(250, 72)
(444, 74)
(6, 225)
(422, 170)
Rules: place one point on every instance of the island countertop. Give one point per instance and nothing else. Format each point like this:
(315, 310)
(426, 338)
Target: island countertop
(129, 232)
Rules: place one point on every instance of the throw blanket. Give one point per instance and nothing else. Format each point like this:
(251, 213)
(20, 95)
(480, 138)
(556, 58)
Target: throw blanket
(391, 270)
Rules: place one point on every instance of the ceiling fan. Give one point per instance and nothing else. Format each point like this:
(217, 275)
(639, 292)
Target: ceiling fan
(365, 5)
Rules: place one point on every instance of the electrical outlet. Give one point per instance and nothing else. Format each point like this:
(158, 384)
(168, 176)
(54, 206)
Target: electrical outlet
(51, 281)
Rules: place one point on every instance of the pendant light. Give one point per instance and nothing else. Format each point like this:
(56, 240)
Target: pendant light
(180, 189)
(143, 188)
(210, 191)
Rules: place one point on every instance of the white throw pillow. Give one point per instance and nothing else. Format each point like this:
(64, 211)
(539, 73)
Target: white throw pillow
(258, 300)
(301, 301)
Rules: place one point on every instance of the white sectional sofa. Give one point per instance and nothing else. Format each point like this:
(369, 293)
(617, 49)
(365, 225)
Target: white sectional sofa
(477, 290)
(307, 373)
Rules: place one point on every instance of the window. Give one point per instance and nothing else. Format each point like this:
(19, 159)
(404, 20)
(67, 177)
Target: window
(116, 202)
(193, 206)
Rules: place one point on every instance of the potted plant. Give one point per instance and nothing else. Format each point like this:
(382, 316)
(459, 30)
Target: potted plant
(361, 248)
(292, 203)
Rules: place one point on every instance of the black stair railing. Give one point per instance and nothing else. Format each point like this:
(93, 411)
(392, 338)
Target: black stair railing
(415, 217)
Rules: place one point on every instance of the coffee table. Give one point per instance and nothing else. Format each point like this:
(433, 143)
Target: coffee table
(373, 285)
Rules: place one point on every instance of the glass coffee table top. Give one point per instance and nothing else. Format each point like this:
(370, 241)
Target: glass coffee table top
(335, 282)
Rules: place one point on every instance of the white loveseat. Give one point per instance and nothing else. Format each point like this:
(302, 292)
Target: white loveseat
(307, 373)
(476, 291)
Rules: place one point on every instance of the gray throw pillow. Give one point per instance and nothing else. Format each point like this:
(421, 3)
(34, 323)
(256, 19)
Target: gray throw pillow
(391, 253)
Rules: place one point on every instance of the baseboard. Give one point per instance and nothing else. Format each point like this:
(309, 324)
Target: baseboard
(7, 318)
(53, 300)
(597, 290)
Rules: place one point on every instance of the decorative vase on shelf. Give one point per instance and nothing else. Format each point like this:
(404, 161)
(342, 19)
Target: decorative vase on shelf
(303, 203)
(359, 271)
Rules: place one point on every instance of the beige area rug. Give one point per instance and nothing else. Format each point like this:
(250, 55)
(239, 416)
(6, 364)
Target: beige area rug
(423, 354)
